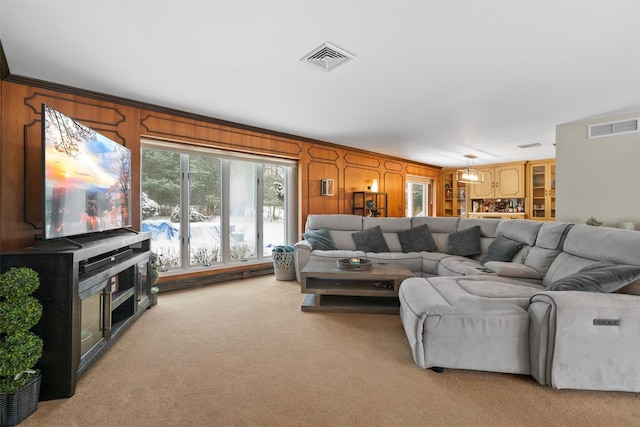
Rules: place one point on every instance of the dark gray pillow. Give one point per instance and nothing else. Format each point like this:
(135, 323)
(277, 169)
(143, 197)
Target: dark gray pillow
(465, 242)
(320, 239)
(501, 249)
(600, 277)
(370, 240)
(417, 239)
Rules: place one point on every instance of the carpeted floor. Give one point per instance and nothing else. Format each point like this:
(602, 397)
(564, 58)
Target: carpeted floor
(243, 354)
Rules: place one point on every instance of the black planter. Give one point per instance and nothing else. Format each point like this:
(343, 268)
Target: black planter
(17, 406)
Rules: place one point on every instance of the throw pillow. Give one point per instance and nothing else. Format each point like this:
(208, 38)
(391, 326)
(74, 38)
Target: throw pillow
(600, 277)
(370, 240)
(501, 249)
(465, 242)
(417, 239)
(320, 239)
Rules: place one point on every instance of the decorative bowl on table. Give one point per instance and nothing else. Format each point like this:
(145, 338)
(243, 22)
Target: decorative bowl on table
(354, 264)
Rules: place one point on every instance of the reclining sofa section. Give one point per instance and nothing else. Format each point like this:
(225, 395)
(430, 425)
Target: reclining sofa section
(526, 315)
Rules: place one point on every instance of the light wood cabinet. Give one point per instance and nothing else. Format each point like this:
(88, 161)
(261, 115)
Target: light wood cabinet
(541, 190)
(505, 181)
(453, 195)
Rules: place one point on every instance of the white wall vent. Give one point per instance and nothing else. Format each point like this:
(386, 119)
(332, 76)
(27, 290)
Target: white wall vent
(613, 128)
(327, 56)
(533, 144)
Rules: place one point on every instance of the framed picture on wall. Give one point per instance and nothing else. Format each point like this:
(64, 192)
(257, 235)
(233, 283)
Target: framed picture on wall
(326, 188)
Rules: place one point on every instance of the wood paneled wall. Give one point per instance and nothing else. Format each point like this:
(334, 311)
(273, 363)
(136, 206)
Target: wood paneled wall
(127, 122)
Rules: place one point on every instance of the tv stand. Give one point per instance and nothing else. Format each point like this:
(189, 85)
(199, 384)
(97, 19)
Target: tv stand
(91, 290)
(53, 242)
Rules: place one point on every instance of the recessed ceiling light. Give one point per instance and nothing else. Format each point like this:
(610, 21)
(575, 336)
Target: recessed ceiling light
(327, 56)
(535, 144)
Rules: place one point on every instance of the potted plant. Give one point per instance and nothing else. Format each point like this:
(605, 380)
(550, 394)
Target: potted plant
(594, 222)
(20, 348)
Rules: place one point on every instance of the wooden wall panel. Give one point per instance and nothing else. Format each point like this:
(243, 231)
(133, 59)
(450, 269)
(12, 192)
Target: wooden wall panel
(127, 122)
(356, 179)
(317, 203)
(395, 199)
(161, 126)
(359, 159)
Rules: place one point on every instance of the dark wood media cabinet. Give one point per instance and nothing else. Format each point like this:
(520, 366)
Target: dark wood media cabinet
(92, 289)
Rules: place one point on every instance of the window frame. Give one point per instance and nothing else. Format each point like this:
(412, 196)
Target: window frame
(225, 261)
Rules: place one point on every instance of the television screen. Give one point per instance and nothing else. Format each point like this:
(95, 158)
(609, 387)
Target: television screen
(87, 178)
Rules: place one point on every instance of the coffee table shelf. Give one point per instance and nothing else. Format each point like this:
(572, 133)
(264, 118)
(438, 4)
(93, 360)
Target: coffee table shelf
(336, 290)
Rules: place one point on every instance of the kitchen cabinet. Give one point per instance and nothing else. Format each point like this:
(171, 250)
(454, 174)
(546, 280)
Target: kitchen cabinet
(504, 181)
(541, 190)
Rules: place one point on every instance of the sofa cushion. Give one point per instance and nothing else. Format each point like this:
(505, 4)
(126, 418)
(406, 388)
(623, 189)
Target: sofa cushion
(513, 269)
(343, 239)
(465, 242)
(501, 249)
(598, 277)
(334, 222)
(387, 224)
(417, 240)
(439, 227)
(320, 239)
(585, 245)
(519, 230)
(431, 262)
(459, 266)
(370, 240)
(548, 245)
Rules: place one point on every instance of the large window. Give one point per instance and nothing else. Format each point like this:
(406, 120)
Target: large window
(207, 208)
(418, 198)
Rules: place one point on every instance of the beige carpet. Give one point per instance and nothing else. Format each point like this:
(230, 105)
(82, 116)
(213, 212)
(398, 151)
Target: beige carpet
(243, 354)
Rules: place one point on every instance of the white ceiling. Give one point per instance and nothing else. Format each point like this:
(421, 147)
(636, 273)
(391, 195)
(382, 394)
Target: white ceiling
(431, 81)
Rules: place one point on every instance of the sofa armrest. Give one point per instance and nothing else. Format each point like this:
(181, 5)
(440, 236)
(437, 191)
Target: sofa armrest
(585, 340)
(301, 255)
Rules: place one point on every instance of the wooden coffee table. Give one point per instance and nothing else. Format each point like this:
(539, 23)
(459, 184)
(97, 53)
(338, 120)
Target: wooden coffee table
(336, 290)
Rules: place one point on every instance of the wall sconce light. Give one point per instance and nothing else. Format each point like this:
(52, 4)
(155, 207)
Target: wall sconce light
(374, 186)
(326, 187)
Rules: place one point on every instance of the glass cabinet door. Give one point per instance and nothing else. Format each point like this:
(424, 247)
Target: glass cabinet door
(91, 321)
(142, 285)
(539, 191)
(543, 191)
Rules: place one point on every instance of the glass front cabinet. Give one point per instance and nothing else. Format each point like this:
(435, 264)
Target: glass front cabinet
(453, 199)
(542, 190)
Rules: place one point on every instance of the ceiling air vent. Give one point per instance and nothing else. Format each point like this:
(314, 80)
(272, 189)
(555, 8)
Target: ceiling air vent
(613, 128)
(533, 144)
(327, 56)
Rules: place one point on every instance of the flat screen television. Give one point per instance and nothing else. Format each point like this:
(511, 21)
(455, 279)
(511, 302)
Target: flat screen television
(87, 178)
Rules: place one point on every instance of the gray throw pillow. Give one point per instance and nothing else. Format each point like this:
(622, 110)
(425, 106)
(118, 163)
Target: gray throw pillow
(320, 239)
(370, 240)
(417, 239)
(465, 242)
(501, 249)
(599, 277)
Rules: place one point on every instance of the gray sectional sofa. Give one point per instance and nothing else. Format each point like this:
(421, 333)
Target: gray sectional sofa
(557, 301)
